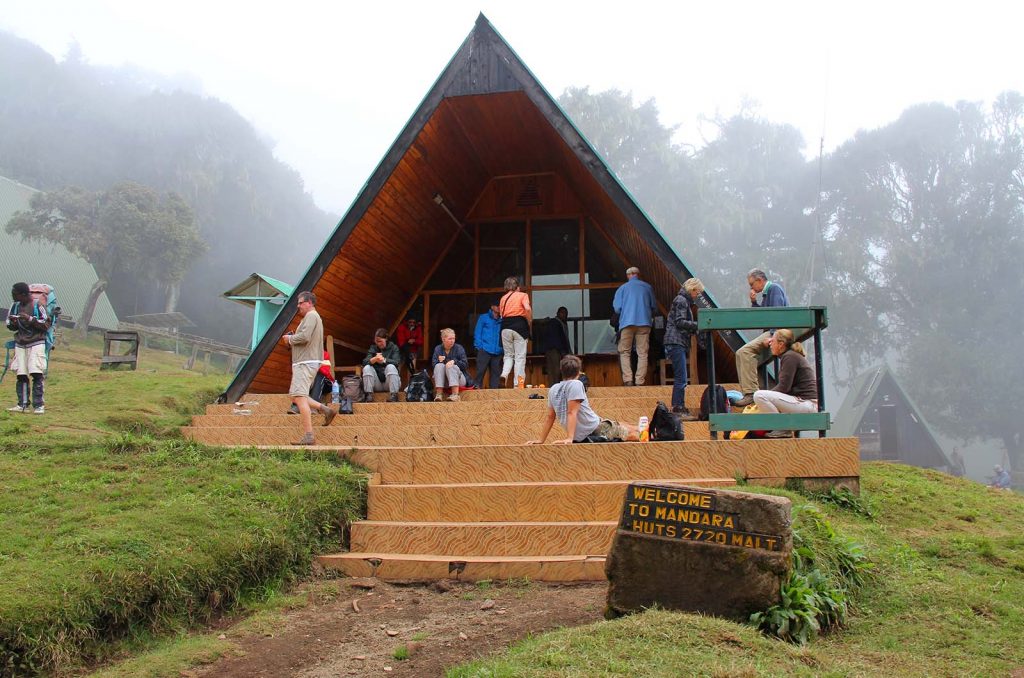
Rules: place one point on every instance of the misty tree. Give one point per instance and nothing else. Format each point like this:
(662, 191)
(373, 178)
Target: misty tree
(926, 219)
(128, 228)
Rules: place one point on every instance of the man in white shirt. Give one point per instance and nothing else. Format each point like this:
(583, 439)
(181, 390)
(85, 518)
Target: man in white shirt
(569, 404)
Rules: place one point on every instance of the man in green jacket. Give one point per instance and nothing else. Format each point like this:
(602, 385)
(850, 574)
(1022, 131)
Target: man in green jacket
(380, 367)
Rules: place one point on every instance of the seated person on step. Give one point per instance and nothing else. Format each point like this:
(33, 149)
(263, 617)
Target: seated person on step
(569, 404)
(450, 366)
(380, 367)
(797, 387)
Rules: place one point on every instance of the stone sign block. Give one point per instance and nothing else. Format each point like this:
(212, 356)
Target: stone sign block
(700, 550)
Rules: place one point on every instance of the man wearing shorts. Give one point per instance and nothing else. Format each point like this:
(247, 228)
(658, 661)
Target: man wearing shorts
(569, 404)
(29, 322)
(307, 343)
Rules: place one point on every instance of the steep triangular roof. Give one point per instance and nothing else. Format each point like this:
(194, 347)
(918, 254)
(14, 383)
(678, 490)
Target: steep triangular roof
(862, 397)
(486, 116)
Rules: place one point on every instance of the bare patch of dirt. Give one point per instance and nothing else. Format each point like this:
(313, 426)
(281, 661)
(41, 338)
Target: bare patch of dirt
(438, 626)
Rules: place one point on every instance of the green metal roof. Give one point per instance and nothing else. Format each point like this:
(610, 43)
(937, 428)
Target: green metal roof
(45, 262)
(258, 287)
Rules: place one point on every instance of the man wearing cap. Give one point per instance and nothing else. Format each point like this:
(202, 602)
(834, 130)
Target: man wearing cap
(634, 304)
(487, 342)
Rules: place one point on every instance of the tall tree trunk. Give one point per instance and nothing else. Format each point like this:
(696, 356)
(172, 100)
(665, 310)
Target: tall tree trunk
(82, 326)
(173, 294)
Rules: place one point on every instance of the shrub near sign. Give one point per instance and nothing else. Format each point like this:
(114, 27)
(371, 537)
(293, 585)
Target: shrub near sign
(688, 548)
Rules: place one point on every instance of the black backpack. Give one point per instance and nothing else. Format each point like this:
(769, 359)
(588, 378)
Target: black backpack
(664, 424)
(721, 403)
(418, 390)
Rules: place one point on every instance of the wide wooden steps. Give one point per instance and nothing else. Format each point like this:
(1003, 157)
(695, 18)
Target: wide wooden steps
(455, 492)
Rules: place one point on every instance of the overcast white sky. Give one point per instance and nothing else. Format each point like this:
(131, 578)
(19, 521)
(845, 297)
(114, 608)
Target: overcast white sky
(332, 82)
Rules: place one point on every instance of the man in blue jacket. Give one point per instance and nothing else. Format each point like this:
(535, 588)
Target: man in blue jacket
(757, 349)
(487, 342)
(634, 304)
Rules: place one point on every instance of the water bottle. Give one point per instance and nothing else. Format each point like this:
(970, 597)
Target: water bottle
(335, 393)
(645, 435)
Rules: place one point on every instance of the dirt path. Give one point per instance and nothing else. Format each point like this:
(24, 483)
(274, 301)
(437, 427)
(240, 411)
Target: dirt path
(440, 625)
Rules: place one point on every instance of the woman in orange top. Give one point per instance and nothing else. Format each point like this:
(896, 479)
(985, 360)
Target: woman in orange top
(516, 316)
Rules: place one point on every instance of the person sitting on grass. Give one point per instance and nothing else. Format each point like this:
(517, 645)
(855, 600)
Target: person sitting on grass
(1001, 478)
(450, 366)
(569, 404)
(797, 387)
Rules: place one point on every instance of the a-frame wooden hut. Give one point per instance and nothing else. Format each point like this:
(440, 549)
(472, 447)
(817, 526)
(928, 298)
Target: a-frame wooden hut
(890, 427)
(489, 178)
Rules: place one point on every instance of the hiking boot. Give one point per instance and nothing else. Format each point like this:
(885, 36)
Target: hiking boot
(393, 398)
(438, 396)
(330, 412)
(294, 409)
(306, 439)
(38, 410)
(17, 408)
(454, 397)
(368, 398)
(779, 434)
(747, 399)
(685, 414)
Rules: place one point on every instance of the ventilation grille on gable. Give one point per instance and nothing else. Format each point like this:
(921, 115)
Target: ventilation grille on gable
(529, 196)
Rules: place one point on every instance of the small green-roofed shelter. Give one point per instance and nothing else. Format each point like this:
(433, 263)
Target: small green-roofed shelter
(890, 427)
(44, 262)
(265, 295)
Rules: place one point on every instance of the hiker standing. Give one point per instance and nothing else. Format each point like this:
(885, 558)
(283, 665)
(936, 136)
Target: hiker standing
(307, 345)
(29, 322)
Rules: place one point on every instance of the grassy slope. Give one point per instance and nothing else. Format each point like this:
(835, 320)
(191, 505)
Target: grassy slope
(113, 527)
(947, 598)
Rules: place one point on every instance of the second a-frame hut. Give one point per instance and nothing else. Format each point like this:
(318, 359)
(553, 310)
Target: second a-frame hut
(890, 427)
(489, 178)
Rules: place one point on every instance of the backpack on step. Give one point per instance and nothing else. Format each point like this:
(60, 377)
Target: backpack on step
(352, 387)
(418, 390)
(721, 403)
(665, 425)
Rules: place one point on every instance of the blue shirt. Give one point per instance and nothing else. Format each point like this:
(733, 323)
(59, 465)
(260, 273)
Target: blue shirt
(634, 302)
(772, 295)
(487, 336)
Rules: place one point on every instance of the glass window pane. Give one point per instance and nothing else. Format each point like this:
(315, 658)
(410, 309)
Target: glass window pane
(546, 303)
(502, 252)
(456, 271)
(555, 252)
(602, 262)
(457, 311)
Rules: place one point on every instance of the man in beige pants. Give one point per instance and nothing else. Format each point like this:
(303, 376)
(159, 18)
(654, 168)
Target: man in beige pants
(634, 303)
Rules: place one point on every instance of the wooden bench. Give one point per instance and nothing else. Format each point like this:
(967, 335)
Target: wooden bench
(811, 320)
(806, 421)
(131, 358)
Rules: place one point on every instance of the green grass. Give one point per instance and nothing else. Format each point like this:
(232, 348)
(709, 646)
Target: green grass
(115, 529)
(945, 597)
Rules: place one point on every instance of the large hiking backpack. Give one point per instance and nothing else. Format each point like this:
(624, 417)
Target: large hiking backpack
(664, 424)
(352, 387)
(418, 390)
(721, 403)
(42, 295)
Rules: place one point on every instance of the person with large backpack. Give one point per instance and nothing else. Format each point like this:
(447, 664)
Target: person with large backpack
(31, 322)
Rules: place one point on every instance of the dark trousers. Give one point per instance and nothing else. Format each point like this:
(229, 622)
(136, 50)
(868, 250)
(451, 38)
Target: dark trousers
(677, 354)
(553, 363)
(22, 389)
(409, 358)
(487, 361)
